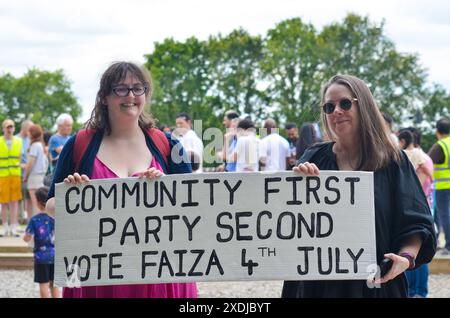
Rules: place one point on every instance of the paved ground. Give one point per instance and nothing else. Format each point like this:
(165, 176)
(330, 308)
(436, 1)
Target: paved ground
(20, 284)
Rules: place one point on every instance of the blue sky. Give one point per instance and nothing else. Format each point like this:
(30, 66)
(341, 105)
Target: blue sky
(83, 37)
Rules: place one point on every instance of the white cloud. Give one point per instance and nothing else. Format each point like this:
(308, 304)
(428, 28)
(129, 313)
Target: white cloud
(83, 37)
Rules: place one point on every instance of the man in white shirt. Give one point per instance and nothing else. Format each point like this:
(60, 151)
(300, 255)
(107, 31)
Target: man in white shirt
(189, 139)
(274, 149)
(246, 152)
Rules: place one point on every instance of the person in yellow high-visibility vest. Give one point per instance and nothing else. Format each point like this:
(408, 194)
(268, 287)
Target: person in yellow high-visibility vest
(440, 154)
(10, 177)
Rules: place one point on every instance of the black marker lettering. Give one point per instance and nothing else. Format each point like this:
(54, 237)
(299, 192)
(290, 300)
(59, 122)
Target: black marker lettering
(134, 231)
(258, 225)
(164, 262)
(77, 206)
(280, 223)
(352, 188)
(172, 196)
(102, 233)
(224, 226)
(310, 189)
(319, 225)
(155, 191)
(99, 262)
(267, 191)
(232, 190)
(83, 199)
(112, 266)
(102, 192)
(190, 226)
(190, 202)
(214, 260)
(211, 189)
(335, 190)
(171, 218)
(153, 231)
(294, 181)
(132, 191)
(305, 249)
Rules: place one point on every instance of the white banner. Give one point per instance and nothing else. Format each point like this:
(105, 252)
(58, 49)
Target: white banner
(215, 227)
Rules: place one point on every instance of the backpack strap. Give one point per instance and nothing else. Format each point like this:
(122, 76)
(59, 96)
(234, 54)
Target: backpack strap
(161, 142)
(82, 140)
(84, 137)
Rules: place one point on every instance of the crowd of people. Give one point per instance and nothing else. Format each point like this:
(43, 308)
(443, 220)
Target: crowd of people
(123, 141)
(26, 164)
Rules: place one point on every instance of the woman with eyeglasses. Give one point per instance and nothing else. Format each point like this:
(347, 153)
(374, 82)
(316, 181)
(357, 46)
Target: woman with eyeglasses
(360, 142)
(124, 144)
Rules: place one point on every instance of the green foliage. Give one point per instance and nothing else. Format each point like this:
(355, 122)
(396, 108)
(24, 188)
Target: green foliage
(427, 141)
(180, 73)
(234, 65)
(280, 75)
(291, 66)
(360, 48)
(437, 104)
(38, 95)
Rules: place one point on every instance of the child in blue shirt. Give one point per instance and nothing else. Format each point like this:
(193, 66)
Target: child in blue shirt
(42, 227)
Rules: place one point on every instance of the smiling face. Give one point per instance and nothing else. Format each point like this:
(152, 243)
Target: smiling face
(127, 108)
(342, 123)
(66, 128)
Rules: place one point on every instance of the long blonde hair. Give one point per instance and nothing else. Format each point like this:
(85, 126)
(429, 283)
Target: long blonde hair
(376, 147)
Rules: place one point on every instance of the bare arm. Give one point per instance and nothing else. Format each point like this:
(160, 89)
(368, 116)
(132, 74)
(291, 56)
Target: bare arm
(30, 163)
(424, 171)
(58, 150)
(27, 237)
(400, 263)
(50, 206)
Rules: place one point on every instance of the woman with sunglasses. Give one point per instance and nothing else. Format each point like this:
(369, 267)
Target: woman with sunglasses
(121, 147)
(360, 142)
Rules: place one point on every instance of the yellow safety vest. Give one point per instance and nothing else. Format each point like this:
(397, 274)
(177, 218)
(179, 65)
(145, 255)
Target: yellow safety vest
(442, 171)
(10, 158)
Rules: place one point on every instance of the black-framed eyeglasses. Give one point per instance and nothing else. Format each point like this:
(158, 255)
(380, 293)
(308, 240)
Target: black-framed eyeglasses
(122, 90)
(345, 104)
(9, 127)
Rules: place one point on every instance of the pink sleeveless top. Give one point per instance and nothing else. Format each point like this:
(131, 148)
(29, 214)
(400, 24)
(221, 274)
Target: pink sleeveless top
(168, 290)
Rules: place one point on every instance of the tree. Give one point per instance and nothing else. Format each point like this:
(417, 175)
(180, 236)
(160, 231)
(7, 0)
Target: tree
(280, 75)
(37, 95)
(181, 79)
(359, 47)
(291, 67)
(436, 104)
(235, 73)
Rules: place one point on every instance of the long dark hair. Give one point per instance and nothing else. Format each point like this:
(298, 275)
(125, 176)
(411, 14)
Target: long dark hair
(112, 76)
(307, 138)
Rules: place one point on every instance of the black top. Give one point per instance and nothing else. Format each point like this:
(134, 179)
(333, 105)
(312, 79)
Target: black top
(401, 211)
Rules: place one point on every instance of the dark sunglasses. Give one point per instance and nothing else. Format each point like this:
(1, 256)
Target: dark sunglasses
(122, 90)
(9, 127)
(345, 104)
